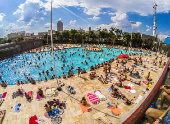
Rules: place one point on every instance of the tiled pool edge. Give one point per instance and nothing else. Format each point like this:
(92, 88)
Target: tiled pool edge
(138, 111)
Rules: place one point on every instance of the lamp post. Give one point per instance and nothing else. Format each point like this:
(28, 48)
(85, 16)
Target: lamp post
(47, 35)
(131, 34)
(52, 47)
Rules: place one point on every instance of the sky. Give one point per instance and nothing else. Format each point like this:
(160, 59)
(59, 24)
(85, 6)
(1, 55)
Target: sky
(34, 15)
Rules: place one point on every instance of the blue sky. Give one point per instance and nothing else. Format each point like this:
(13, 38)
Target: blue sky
(34, 15)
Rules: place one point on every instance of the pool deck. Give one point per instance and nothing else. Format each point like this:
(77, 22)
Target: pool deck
(73, 113)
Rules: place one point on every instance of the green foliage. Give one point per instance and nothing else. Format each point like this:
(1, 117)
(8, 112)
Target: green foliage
(19, 39)
(65, 34)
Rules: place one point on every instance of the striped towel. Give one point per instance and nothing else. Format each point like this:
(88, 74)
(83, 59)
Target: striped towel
(92, 98)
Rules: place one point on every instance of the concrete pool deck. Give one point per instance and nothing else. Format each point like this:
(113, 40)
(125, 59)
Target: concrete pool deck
(73, 112)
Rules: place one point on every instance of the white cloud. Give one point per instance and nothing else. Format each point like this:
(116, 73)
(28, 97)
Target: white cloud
(94, 18)
(112, 13)
(94, 7)
(2, 16)
(1, 25)
(138, 24)
(59, 19)
(30, 12)
(162, 37)
(72, 22)
(103, 12)
(148, 28)
(50, 24)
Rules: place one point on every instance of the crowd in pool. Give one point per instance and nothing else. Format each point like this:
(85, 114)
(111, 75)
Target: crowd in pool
(20, 68)
(121, 71)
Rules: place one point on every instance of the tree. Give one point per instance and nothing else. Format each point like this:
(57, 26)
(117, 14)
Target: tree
(19, 39)
(126, 38)
(56, 35)
(65, 34)
(136, 39)
(72, 34)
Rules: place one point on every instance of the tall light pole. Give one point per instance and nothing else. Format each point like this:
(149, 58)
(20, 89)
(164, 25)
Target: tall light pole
(52, 46)
(131, 34)
(6, 35)
(47, 35)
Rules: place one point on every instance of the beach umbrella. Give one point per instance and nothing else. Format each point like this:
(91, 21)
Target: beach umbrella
(123, 56)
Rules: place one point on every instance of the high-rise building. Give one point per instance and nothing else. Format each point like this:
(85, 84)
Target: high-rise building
(59, 26)
(89, 28)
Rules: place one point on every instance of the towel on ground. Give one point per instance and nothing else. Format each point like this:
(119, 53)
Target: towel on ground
(100, 95)
(109, 89)
(48, 92)
(145, 82)
(53, 91)
(93, 98)
(4, 95)
(132, 90)
(115, 110)
(116, 79)
(131, 85)
(33, 119)
(51, 113)
(0, 95)
(84, 107)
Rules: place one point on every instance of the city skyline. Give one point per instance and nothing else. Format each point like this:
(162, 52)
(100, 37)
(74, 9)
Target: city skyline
(34, 15)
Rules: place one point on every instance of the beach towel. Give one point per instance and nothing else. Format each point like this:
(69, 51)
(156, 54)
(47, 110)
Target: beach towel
(33, 119)
(109, 89)
(145, 82)
(0, 95)
(4, 95)
(93, 98)
(15, 94)
(84, 107)
(53, 90)
(127, 87)
(56, 119)
(16, 109)
(115, 110)
(132, 91)
(131, 85)
(100, 95)
(48, 92)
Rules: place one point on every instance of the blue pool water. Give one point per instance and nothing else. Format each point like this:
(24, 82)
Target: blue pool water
(9, 67)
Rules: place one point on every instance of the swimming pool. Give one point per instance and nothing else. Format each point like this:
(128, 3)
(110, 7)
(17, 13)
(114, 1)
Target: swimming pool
(20, 67)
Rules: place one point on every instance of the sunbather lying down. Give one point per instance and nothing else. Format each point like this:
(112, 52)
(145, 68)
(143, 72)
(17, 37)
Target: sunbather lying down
(83, 101)
(102, 80)
(92, 75)
(119, 84)
(136, 82)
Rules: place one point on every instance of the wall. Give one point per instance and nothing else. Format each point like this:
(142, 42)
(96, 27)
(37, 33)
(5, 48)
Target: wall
(12, 49)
